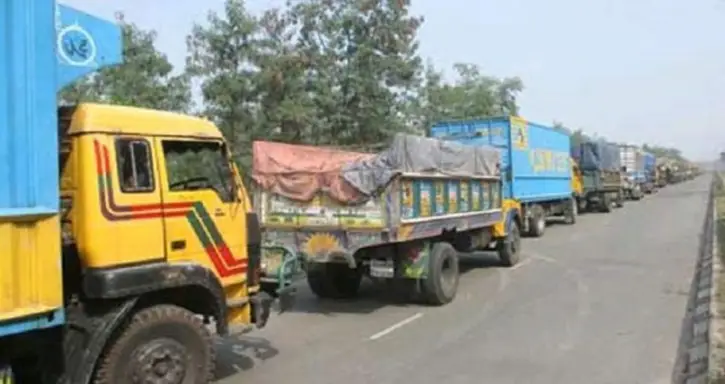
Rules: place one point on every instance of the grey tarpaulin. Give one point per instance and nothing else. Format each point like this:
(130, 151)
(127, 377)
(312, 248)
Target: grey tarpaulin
(599, 156)
(417, 154)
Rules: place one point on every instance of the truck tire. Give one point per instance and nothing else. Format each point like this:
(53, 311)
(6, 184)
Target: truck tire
(571, 212)
(619, 202)
(508, 248)
(537, 221)
(606, 203)
(163, 343)
(333, 281)
(441, 284)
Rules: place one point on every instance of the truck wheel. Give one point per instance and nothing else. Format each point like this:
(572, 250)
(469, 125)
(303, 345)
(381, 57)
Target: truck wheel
(572, 211)
(537, 222)
(333, 281)
(508, 248)
(441, 284)
(619, 202)
(163, 343)
(606, 203)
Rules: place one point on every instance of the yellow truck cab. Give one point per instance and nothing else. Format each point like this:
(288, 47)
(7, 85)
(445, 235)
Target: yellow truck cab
(577, 185)
(158, 239)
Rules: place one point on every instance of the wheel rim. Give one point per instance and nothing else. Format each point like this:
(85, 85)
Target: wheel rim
(163, 361)
(541, 224)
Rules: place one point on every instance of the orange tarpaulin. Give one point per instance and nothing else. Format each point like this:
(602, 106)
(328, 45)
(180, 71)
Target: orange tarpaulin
(299, 172)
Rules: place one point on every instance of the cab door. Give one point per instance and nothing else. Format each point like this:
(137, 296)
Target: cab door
(204, 219)
(129, 197)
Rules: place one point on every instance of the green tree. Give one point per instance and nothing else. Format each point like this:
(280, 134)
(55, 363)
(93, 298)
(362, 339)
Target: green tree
(223, 56)
(472, 95)
(145, 79)
(364, 67)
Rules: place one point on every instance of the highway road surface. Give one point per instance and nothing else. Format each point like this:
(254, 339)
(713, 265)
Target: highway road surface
(599, 302)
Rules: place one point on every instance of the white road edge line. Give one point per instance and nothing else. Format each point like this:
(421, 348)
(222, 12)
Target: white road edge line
(521, 264)
(396, 326)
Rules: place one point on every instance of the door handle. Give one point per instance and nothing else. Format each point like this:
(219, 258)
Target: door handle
(178, 245)
(218, 212)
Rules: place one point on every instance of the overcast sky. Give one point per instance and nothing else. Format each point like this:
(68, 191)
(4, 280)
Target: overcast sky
(631, 70)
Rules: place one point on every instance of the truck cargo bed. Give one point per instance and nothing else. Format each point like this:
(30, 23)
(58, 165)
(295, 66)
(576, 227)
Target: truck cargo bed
(325, 204)
(412, 207)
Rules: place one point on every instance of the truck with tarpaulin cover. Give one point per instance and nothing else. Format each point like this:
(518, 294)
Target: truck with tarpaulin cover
(632, 160)
(664, 171)
(650, 173)
(117, 254)
(601, 173)
(399, 215)
(536, 170)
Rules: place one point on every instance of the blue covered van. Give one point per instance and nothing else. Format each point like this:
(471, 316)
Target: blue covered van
(536, 168)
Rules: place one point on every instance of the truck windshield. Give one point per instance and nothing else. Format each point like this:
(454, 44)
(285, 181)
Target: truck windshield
(195, 165)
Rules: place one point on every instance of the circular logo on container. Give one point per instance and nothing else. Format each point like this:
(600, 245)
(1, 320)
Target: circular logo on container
(76, 46)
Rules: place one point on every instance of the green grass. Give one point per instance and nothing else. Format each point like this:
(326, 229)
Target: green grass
(716, 373)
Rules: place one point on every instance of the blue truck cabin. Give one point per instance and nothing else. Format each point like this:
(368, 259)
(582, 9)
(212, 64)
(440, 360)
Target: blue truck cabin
(535, 162)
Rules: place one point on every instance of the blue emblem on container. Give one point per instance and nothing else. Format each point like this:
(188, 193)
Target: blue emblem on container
(76, 46)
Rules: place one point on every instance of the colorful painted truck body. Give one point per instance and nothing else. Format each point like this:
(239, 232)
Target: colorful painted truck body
(112, 258)
(536, 169)
(601, 173)
(400, 215)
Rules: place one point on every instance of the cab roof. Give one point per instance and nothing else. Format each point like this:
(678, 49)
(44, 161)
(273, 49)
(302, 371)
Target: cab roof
(114, 119)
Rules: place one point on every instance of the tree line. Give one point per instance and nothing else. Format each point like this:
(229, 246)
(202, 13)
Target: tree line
(345, 73)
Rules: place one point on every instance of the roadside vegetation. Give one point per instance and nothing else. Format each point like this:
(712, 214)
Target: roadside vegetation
(345, 73)
(717, 344)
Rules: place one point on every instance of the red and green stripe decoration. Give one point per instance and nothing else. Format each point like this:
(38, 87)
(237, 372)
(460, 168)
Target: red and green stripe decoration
(195, 213)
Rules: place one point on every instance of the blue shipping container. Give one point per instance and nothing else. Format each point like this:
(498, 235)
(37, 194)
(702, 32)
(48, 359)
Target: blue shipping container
(37, 34)
(650, 163)
(535, 158)
(45, 47)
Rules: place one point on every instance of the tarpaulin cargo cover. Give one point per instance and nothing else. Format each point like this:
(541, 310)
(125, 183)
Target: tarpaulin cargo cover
(298, 172)
(599, 156)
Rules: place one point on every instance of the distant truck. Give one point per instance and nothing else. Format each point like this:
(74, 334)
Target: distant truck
(399, 216)
(633, 178)
(601, 174)
(535, 165)
(650, 173)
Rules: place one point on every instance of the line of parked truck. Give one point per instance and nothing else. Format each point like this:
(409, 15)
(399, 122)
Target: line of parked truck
(127, 236)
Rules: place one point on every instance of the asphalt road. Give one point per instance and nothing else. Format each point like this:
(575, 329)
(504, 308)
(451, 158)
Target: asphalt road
(599, 302)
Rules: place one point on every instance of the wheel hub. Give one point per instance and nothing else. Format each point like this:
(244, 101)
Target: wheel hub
(160, 362)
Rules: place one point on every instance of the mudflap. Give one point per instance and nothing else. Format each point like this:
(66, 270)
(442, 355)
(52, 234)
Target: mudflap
(85, 337)
(279, 275)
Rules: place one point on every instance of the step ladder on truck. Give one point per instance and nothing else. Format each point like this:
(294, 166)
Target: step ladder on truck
(117, 254)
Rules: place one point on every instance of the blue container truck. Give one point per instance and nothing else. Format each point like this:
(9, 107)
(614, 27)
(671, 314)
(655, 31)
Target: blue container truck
(650, 173)
(536, 169)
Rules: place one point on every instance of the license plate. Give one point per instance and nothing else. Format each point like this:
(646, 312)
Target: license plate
(382, 269)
